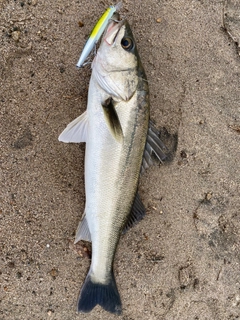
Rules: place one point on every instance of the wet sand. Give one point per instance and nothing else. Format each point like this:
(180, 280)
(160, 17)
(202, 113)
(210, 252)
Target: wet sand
(182, 261)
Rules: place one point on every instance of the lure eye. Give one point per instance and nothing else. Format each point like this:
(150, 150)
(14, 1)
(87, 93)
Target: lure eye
(127, 43)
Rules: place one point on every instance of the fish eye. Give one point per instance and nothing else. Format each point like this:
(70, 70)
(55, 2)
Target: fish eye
(127, 43)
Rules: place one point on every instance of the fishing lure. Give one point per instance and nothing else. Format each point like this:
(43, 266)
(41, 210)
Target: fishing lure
(97, 32)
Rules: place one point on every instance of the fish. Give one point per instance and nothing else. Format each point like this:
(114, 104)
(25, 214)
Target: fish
(121, 142)
(97, 32)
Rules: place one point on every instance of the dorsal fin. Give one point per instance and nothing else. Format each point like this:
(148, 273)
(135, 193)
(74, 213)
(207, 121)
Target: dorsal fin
(137, 213)
(154, 146)
(112, 119)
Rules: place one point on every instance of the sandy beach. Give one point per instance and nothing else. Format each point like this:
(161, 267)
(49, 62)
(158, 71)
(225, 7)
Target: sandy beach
(182, 261)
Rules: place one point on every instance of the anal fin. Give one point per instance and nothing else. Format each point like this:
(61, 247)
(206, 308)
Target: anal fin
(83, 232)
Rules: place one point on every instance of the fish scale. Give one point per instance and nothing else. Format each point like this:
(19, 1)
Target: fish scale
(118, 183)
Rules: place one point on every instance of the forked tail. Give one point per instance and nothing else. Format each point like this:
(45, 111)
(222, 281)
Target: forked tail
(106, 295)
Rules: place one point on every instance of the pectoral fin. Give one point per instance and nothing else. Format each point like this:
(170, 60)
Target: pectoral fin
(112, 119)
(76, 131)
(137, 213)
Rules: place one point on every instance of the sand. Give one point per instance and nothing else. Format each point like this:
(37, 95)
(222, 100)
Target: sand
(182, 261)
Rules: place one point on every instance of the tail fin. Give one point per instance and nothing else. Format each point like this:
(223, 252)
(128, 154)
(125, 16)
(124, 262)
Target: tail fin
(106, 295)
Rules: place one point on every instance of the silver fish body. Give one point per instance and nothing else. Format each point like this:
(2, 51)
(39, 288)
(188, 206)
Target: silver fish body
(115, 128)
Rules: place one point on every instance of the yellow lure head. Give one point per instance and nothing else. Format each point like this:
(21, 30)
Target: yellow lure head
(96, 33)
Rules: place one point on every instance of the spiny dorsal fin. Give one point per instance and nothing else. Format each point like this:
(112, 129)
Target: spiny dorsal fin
(137, 213)
(154, 146)
(112, 119)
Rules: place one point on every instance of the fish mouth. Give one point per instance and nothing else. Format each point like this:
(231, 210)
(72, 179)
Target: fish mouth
(113, 29)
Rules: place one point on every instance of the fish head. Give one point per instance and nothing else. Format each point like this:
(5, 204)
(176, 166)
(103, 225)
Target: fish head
(118, 46)
(116, 64)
